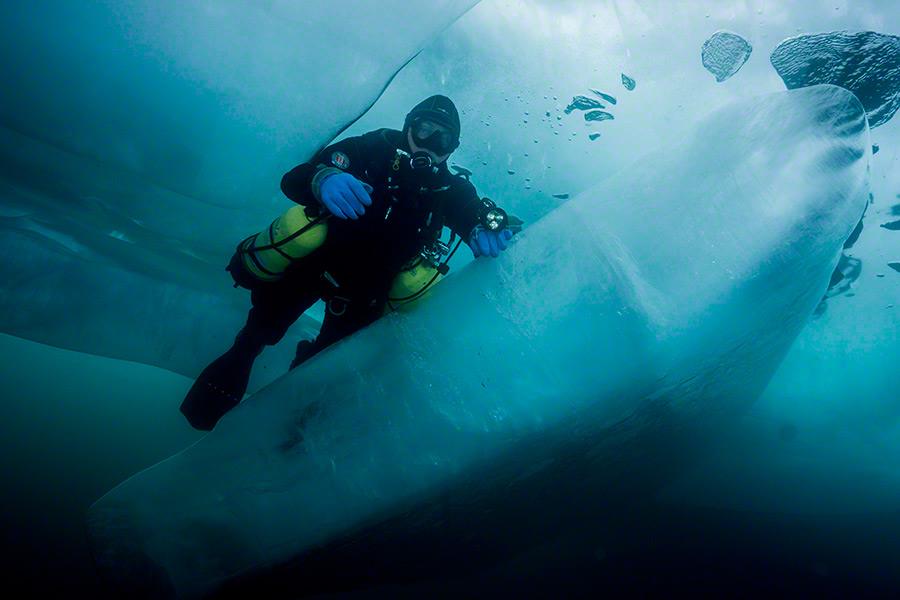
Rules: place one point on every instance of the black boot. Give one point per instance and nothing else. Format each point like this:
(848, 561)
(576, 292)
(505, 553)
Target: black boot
(305, 350)
(221, 385)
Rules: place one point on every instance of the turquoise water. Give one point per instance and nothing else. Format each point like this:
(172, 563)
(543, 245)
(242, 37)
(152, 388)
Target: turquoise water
(74, 426)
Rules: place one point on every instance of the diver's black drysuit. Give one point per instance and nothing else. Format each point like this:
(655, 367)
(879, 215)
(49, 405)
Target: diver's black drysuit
(352, 270)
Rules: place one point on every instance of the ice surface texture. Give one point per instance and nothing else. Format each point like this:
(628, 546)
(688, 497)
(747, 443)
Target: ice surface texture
(866, 63)
(724, 54)
(643, 301)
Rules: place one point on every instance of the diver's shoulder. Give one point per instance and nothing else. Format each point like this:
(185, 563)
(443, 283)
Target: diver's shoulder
(384, 137)
(460, 185)
(458, 175)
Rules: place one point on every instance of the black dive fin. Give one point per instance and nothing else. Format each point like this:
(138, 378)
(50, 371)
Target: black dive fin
(218, 389)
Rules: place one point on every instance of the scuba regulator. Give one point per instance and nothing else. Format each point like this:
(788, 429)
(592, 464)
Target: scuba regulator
(433, 255)
(414, 172)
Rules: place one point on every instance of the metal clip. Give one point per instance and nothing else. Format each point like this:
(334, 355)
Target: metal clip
(344, 302)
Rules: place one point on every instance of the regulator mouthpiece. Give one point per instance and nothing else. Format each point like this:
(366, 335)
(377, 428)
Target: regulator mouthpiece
(420, 160)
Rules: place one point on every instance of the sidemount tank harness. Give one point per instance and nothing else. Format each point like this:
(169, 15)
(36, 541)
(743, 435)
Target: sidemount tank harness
(247, 248)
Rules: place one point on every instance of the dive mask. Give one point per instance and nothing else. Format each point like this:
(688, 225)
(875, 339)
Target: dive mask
(434, 137)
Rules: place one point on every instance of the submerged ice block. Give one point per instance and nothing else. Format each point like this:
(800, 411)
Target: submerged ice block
(665, 294)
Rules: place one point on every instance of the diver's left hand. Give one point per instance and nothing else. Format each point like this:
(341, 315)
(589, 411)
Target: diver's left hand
(489, 243)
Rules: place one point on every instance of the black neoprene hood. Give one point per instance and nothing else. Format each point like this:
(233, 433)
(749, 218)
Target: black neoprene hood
(439, 109)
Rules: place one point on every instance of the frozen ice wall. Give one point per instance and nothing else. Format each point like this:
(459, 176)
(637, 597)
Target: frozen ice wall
(837, 388)
(549, 349)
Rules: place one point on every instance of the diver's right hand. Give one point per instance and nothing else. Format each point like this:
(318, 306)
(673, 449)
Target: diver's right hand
(345, 196)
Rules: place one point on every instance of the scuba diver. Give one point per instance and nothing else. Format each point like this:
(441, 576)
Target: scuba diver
(368, 222)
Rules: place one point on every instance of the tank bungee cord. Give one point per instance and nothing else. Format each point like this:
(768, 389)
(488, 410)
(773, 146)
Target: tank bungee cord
(276, 245)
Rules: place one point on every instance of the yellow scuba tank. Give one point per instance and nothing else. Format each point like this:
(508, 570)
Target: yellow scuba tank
(411, 284)
(291, 236)
(416, 279)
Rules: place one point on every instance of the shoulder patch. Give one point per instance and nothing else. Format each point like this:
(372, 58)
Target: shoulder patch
(340, 160)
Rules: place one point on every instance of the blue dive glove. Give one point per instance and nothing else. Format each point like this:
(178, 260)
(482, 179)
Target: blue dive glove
(489, 243)
(345, 196)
